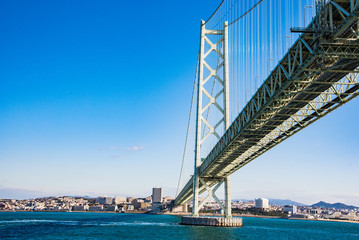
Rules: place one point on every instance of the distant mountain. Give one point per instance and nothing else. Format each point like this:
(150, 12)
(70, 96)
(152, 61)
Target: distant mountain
(277, 202)
(86, 196)
(322, 204)
(282, 202)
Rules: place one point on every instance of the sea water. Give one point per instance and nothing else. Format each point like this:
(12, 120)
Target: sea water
(70, 225)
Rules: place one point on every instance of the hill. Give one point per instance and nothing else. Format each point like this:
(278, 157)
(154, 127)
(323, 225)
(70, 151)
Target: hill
(277, 202)
(282, 202)
(322, 204)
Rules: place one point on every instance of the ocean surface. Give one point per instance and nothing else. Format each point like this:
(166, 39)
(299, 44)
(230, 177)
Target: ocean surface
(52, 225)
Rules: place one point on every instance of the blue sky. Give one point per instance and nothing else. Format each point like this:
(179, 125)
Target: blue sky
(94, 100)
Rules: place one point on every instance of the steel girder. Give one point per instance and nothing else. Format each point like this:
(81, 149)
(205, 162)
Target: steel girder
(317, 75)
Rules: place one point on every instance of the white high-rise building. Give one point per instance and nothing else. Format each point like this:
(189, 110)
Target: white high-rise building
(261, 203)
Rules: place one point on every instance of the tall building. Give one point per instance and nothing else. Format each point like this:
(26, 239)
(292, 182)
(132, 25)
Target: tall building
(156, 195)
(261, 203)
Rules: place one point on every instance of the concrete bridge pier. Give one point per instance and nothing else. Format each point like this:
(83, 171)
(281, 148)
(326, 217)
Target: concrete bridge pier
(212, 221)
(180, 208)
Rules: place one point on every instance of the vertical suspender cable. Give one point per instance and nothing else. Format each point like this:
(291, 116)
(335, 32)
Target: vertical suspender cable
(188, 125)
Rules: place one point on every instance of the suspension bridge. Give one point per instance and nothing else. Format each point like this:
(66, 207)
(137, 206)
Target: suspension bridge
(266, 69)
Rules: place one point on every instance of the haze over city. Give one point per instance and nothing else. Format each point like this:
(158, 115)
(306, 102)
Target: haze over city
(94, 101)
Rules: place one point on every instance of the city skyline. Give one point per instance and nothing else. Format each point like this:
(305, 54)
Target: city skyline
(95, 99)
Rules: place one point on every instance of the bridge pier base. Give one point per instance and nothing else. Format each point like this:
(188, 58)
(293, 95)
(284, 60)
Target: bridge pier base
(180, 208)
(185, 207)
(212, 221)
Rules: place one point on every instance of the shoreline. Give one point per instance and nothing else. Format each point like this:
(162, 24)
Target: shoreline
(45, 211)
(263, 216)
(187, 214)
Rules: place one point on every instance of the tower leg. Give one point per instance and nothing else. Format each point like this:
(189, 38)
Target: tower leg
(227, 180)
(195, 208)
(197, 160)
(227, 192)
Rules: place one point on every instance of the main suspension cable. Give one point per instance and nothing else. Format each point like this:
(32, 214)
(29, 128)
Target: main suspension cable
(215, 11)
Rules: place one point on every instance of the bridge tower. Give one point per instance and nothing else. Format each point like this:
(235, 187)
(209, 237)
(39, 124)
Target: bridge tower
(220, 75)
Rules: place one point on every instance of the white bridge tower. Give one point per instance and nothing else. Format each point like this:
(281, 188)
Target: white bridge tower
(220, 74)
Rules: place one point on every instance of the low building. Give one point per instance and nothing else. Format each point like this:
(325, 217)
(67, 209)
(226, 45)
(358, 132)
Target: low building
(119, 200)
(290, 209)
(3, 206)
(140, 203)
(121, 208)
(104, 200)
(349, 216)
(316, 211)
(96, 208)
(167, 199)
(130, 207)
(78, 208)
(299, 215)
(111, 208)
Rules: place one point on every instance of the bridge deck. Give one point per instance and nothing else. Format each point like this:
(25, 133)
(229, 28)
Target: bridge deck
(317, 75)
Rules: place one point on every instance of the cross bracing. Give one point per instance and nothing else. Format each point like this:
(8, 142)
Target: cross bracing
(318, 74)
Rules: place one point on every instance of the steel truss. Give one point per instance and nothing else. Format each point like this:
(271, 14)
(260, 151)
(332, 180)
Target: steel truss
(317, 75)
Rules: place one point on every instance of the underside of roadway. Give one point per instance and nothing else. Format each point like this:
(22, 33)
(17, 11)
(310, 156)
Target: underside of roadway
(305, 83)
